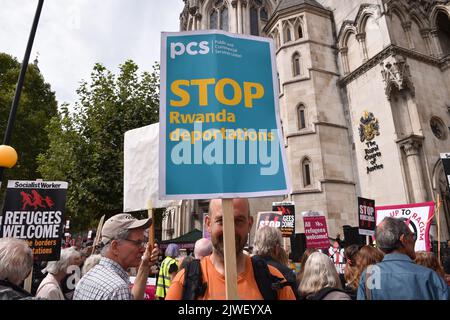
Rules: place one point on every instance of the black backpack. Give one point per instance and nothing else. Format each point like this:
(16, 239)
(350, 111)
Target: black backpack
(268, 284)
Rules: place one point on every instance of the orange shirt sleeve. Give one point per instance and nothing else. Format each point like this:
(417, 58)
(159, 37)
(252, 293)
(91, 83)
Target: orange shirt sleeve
(176, 287)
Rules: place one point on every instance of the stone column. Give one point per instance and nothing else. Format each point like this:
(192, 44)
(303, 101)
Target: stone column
(234, 27)
(407, 28)
(194, 23)
(239, 15)
(412, 147)
(245, 17)
(437, 44)
(198, 18)
(361, 37)
(425, 33)
(344, 58)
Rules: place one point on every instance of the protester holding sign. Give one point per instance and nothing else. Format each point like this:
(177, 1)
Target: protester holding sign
(397, 277)
(212, 267)
(124, 247)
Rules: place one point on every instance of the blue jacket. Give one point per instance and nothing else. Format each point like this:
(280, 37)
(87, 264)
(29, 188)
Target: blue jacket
(397, 277)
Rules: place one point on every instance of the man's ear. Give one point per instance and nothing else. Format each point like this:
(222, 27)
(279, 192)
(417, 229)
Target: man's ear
(403, 239)
(208, 223)
(250, 221)
(114, 246)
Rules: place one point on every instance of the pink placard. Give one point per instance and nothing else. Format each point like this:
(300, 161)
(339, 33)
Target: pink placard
(316, 232)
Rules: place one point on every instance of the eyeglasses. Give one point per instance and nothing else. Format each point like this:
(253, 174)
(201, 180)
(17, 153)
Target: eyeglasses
(139, 243)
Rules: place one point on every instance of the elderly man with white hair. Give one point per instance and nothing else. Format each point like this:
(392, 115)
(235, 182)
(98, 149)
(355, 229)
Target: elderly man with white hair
(50, 287)
(16, 261)
(124, 246)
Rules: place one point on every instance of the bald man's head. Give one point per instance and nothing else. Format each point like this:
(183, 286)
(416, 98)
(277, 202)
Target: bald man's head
(243, 222)
(242, 204)
(203, 247)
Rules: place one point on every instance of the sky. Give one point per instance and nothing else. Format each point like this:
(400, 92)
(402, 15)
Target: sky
(73, 35)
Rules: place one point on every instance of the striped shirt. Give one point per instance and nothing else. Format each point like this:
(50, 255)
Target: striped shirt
(106, 281)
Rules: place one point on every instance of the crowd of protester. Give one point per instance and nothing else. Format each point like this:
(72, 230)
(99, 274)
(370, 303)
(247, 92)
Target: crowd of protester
(391, 270)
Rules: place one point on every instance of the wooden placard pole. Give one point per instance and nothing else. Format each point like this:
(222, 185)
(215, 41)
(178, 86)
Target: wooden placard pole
(28, 281)
(98, 235)
(229, 247)
(438, 228)
(151, 231)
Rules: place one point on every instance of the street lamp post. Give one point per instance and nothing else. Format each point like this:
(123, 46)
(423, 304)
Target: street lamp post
(23, 69)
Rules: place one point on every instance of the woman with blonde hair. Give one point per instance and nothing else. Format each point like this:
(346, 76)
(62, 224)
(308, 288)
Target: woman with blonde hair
(320, 279)
(305, 257)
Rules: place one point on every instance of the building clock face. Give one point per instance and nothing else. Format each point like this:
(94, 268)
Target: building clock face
(438, 128)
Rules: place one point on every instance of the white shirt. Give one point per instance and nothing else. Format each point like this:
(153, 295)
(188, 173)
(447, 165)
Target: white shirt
(50, 289)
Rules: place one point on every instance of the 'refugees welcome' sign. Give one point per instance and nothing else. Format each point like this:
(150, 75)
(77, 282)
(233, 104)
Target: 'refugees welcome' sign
(220, 130)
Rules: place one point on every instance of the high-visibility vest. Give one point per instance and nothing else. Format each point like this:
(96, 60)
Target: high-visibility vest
(163, 284)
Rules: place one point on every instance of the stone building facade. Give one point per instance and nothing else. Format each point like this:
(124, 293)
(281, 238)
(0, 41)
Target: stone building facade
(364, 98)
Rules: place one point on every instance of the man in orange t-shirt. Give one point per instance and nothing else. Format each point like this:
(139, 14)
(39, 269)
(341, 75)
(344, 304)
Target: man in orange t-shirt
(213, 267)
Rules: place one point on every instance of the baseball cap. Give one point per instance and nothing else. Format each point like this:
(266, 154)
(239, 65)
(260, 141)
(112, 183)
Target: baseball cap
(123, 221)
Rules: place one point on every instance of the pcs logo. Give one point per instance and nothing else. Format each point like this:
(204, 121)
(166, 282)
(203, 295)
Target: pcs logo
(192, 48)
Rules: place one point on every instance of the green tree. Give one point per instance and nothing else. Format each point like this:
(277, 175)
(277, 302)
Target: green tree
(86, 145)
(36, 107)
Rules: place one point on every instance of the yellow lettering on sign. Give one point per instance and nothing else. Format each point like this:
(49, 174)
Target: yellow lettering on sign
(220, 95)
(203, 89)
(249, 96)
(183, 94)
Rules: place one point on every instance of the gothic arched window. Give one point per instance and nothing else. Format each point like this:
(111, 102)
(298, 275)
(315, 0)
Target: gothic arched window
(306, 172)
(301, 112)
(258, 17)
(218, 16)
(224, 19)
(213, 20)
(287, 34)
(254, 24)
(300, 31)
(443, 28)
(296, 64)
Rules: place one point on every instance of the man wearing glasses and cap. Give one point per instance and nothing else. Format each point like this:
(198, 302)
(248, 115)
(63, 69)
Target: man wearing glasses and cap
(124, 246)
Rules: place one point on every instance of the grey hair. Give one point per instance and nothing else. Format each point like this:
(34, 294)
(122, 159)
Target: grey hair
(16, 260)
(203, 247)
(266, 240)
(65, 260)
(388, 233)
(172, 250)
(122, 235)
(319, 273)
(90, 262)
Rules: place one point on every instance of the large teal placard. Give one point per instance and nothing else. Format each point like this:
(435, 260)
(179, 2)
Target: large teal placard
(220, 130)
